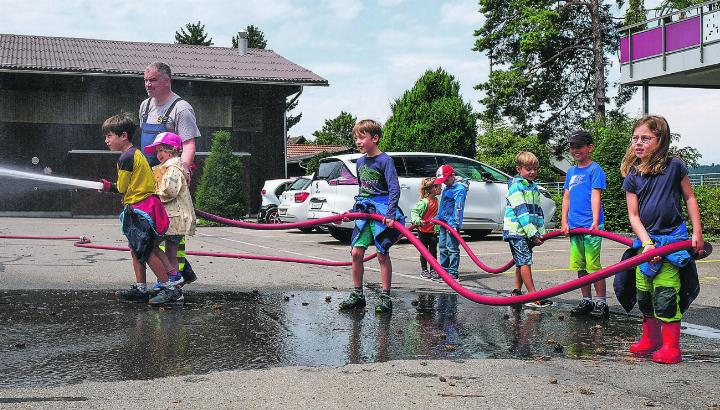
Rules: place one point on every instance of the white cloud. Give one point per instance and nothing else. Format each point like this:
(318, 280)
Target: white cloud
(344, 9)
(420, 37)
(331, 69)
(464, 13)
(388, 3)
(690, 113)
(365, 97)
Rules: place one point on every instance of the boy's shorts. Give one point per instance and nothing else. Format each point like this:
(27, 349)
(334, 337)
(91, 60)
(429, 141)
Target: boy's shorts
(366, 236)
(521, 249)
(585, 253)
(176, 239)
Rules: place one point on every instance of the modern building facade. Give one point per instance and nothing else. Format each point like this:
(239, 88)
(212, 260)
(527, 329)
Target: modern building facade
(680, 49)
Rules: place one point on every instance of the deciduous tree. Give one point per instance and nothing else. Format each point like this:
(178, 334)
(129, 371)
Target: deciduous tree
(337, 131)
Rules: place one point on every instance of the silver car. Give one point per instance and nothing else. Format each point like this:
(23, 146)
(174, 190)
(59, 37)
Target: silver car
(335, 185)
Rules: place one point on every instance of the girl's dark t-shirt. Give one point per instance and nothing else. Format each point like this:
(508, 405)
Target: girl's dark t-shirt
(659, 197)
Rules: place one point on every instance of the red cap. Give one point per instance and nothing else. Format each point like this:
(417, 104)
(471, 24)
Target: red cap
(443, 173)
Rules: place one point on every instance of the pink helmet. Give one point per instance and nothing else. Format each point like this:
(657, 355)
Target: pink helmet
(167, 138)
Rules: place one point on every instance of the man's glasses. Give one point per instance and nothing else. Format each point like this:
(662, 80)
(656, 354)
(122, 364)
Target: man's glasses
(645, 139)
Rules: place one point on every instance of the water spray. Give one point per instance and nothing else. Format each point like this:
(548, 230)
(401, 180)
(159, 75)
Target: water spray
(80, 183)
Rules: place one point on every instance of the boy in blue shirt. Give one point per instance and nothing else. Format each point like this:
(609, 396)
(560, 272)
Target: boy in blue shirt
(379, 193)
(450, 210)
(582, 208)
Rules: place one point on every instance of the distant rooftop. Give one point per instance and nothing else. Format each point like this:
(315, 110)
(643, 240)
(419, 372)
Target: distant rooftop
(109, 57)
(298, 152)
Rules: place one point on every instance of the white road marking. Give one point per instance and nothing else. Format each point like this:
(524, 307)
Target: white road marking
(268, 247)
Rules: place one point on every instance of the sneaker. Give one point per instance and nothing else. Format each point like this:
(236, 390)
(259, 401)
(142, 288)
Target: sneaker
(133, 294)
(425, 274)
(188, 274)
(582, 309)
(167, 295)
(455, 276)
(539, 304)
(174, 280)
(354, 301)
(601, 310)
(157, 287)
(384, 305)
(435, 276)
(516, 292)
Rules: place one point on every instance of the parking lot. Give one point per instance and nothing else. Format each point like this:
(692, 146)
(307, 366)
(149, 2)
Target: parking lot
(57, 265)
(249, 314)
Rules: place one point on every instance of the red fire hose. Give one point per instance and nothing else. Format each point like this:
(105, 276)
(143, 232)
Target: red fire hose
(83, 242)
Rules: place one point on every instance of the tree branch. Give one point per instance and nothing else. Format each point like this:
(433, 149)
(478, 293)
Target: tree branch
(572, 3)
(570, 101)
(557, 55)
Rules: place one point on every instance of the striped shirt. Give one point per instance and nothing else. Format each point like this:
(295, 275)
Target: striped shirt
(523, 214)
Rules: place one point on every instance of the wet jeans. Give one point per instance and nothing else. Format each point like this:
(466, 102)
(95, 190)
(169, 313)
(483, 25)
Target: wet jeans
(449, 248)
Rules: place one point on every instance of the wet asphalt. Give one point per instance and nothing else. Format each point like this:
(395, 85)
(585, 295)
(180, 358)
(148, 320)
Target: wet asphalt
(61, 329)
(50, 338)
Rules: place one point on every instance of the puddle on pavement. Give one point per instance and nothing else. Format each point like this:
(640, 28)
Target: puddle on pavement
(50, 338)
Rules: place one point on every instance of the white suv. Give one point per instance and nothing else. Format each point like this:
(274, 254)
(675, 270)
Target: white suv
(335, 185)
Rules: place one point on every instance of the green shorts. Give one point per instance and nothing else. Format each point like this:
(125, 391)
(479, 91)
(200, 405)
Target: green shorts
(660, 295)
(366, 237)
(585, 253)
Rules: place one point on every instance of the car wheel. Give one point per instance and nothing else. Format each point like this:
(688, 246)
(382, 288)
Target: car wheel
(307, 230)
(272, 217)
(478, 233)
(341, 234)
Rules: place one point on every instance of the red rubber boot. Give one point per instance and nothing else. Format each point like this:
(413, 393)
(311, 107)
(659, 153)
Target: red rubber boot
(670, 351)
(650, 340)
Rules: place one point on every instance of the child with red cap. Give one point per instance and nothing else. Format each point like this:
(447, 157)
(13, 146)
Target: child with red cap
(451, 208)
(172, 187)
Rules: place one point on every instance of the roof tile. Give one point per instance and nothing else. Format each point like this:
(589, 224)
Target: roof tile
(22, 52)
(302, 151)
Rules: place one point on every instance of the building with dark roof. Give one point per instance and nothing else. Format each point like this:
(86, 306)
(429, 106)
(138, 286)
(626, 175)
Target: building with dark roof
(56, 92)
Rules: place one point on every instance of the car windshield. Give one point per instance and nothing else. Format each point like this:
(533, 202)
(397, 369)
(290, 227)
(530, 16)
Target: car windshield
(473, 170)
(300, 184)
(328, 169)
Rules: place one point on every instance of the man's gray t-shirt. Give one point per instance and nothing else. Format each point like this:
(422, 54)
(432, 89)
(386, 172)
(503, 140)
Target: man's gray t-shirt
(181, 119)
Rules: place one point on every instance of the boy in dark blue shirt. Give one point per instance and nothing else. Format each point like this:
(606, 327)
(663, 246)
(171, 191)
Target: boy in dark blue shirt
(379, 193)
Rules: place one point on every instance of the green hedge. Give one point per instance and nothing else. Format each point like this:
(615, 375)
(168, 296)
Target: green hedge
(709, 202)
(557, 216)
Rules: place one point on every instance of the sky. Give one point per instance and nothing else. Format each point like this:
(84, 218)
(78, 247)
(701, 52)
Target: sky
(369, 51)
